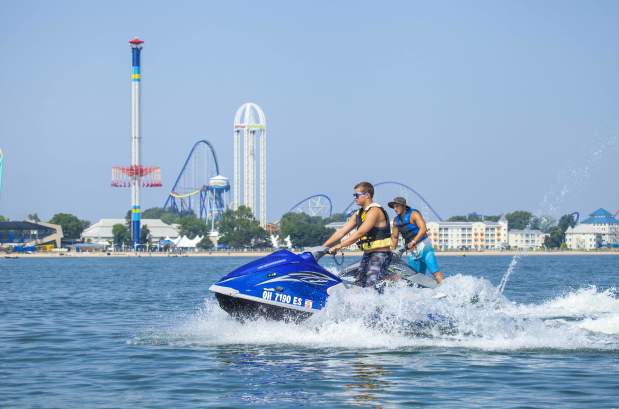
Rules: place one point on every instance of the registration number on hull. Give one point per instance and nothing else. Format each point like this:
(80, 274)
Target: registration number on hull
(284, 298)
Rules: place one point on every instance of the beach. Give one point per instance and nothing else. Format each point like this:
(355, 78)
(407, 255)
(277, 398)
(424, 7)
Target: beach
(264, 253)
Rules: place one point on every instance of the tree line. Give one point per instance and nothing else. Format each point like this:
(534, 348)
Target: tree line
(239, 229)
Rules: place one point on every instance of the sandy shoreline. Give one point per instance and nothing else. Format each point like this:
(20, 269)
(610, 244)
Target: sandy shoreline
(260, 253)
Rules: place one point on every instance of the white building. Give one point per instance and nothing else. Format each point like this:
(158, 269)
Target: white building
(483, 235)
(601, 229)
(101, 232)
(526, 239)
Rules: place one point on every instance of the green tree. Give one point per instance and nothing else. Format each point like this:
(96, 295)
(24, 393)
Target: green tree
(304, 230)
(543, 223)
(121, 235)
(556, 237)
(240, 229)
(566, 221)
(519, 219)
(170, 218)
(191, 226)
(4, 219)
(335, 217)
(473, 217)
(206, 244)
(153, 213)
(34, 217)
(72, 226)
(144, 235)
(166, 215)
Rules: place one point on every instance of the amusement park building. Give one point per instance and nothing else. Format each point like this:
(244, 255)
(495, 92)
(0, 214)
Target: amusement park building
(101, 232)
(601, 229)
(30, 233)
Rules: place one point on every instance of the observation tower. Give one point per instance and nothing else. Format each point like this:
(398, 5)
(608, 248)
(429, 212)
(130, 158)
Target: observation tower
(250, 128)
(135, 176)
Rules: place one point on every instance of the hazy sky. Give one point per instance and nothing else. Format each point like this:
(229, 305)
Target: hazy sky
(486, 106)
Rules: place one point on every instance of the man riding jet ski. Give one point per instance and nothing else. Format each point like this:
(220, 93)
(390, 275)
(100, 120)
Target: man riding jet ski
(291, 287)
(369, 228)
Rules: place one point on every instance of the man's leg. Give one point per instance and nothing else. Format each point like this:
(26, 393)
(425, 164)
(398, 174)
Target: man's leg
(363, 270)
(429, 259)
(416, 264)
(377, 265)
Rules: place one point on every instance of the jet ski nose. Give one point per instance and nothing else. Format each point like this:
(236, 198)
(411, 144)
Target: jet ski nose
(223, 290)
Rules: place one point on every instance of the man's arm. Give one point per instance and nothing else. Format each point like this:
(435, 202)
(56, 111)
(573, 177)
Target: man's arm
(418, 220)
(394, 235)
(341, 232)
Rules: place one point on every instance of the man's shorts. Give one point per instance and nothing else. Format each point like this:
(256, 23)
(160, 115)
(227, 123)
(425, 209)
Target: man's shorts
(373, 267)
(424, 262)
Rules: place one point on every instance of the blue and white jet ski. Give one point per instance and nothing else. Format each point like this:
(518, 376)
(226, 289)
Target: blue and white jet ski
(291, 287)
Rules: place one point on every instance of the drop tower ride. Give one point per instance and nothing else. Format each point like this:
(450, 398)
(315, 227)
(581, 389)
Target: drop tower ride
(135, 175)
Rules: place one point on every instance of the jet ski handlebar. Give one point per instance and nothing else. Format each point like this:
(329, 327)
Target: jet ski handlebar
(317, 252)
(320, 251)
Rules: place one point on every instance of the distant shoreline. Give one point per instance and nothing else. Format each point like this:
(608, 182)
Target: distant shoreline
(263, 253)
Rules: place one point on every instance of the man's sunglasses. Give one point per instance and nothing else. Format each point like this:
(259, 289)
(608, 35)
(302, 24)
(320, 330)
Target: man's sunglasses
(356, 195)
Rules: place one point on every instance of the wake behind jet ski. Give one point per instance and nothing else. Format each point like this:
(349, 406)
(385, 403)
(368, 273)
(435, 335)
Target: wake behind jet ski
(291, 287)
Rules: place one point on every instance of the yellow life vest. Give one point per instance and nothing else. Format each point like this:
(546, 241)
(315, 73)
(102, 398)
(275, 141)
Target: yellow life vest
(377, 237)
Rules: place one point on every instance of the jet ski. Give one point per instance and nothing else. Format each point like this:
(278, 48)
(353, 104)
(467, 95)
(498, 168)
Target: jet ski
(291, 287)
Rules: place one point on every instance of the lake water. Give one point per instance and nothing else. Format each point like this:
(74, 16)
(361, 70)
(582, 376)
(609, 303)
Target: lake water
(145, 332)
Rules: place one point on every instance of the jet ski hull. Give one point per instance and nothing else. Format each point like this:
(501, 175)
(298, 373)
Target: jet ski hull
(280, 286)
(244, 309)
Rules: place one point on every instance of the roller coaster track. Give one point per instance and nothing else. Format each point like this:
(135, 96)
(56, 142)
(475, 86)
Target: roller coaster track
(173, 194)
(347, 209)
(309, 198)
(182, 196)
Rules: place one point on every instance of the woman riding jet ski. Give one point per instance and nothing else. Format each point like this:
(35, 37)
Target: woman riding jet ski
(291, 287)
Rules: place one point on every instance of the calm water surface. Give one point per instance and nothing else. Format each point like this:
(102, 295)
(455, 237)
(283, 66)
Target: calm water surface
(145, 332)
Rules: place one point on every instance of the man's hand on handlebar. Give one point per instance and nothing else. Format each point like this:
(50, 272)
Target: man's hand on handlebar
(334, 249)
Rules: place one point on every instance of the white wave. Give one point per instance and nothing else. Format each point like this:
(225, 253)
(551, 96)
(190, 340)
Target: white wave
(608, 324)
(580, 303)
(362, 319)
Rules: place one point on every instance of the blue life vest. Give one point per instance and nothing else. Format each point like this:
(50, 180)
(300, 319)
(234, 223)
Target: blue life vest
(406, 228)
